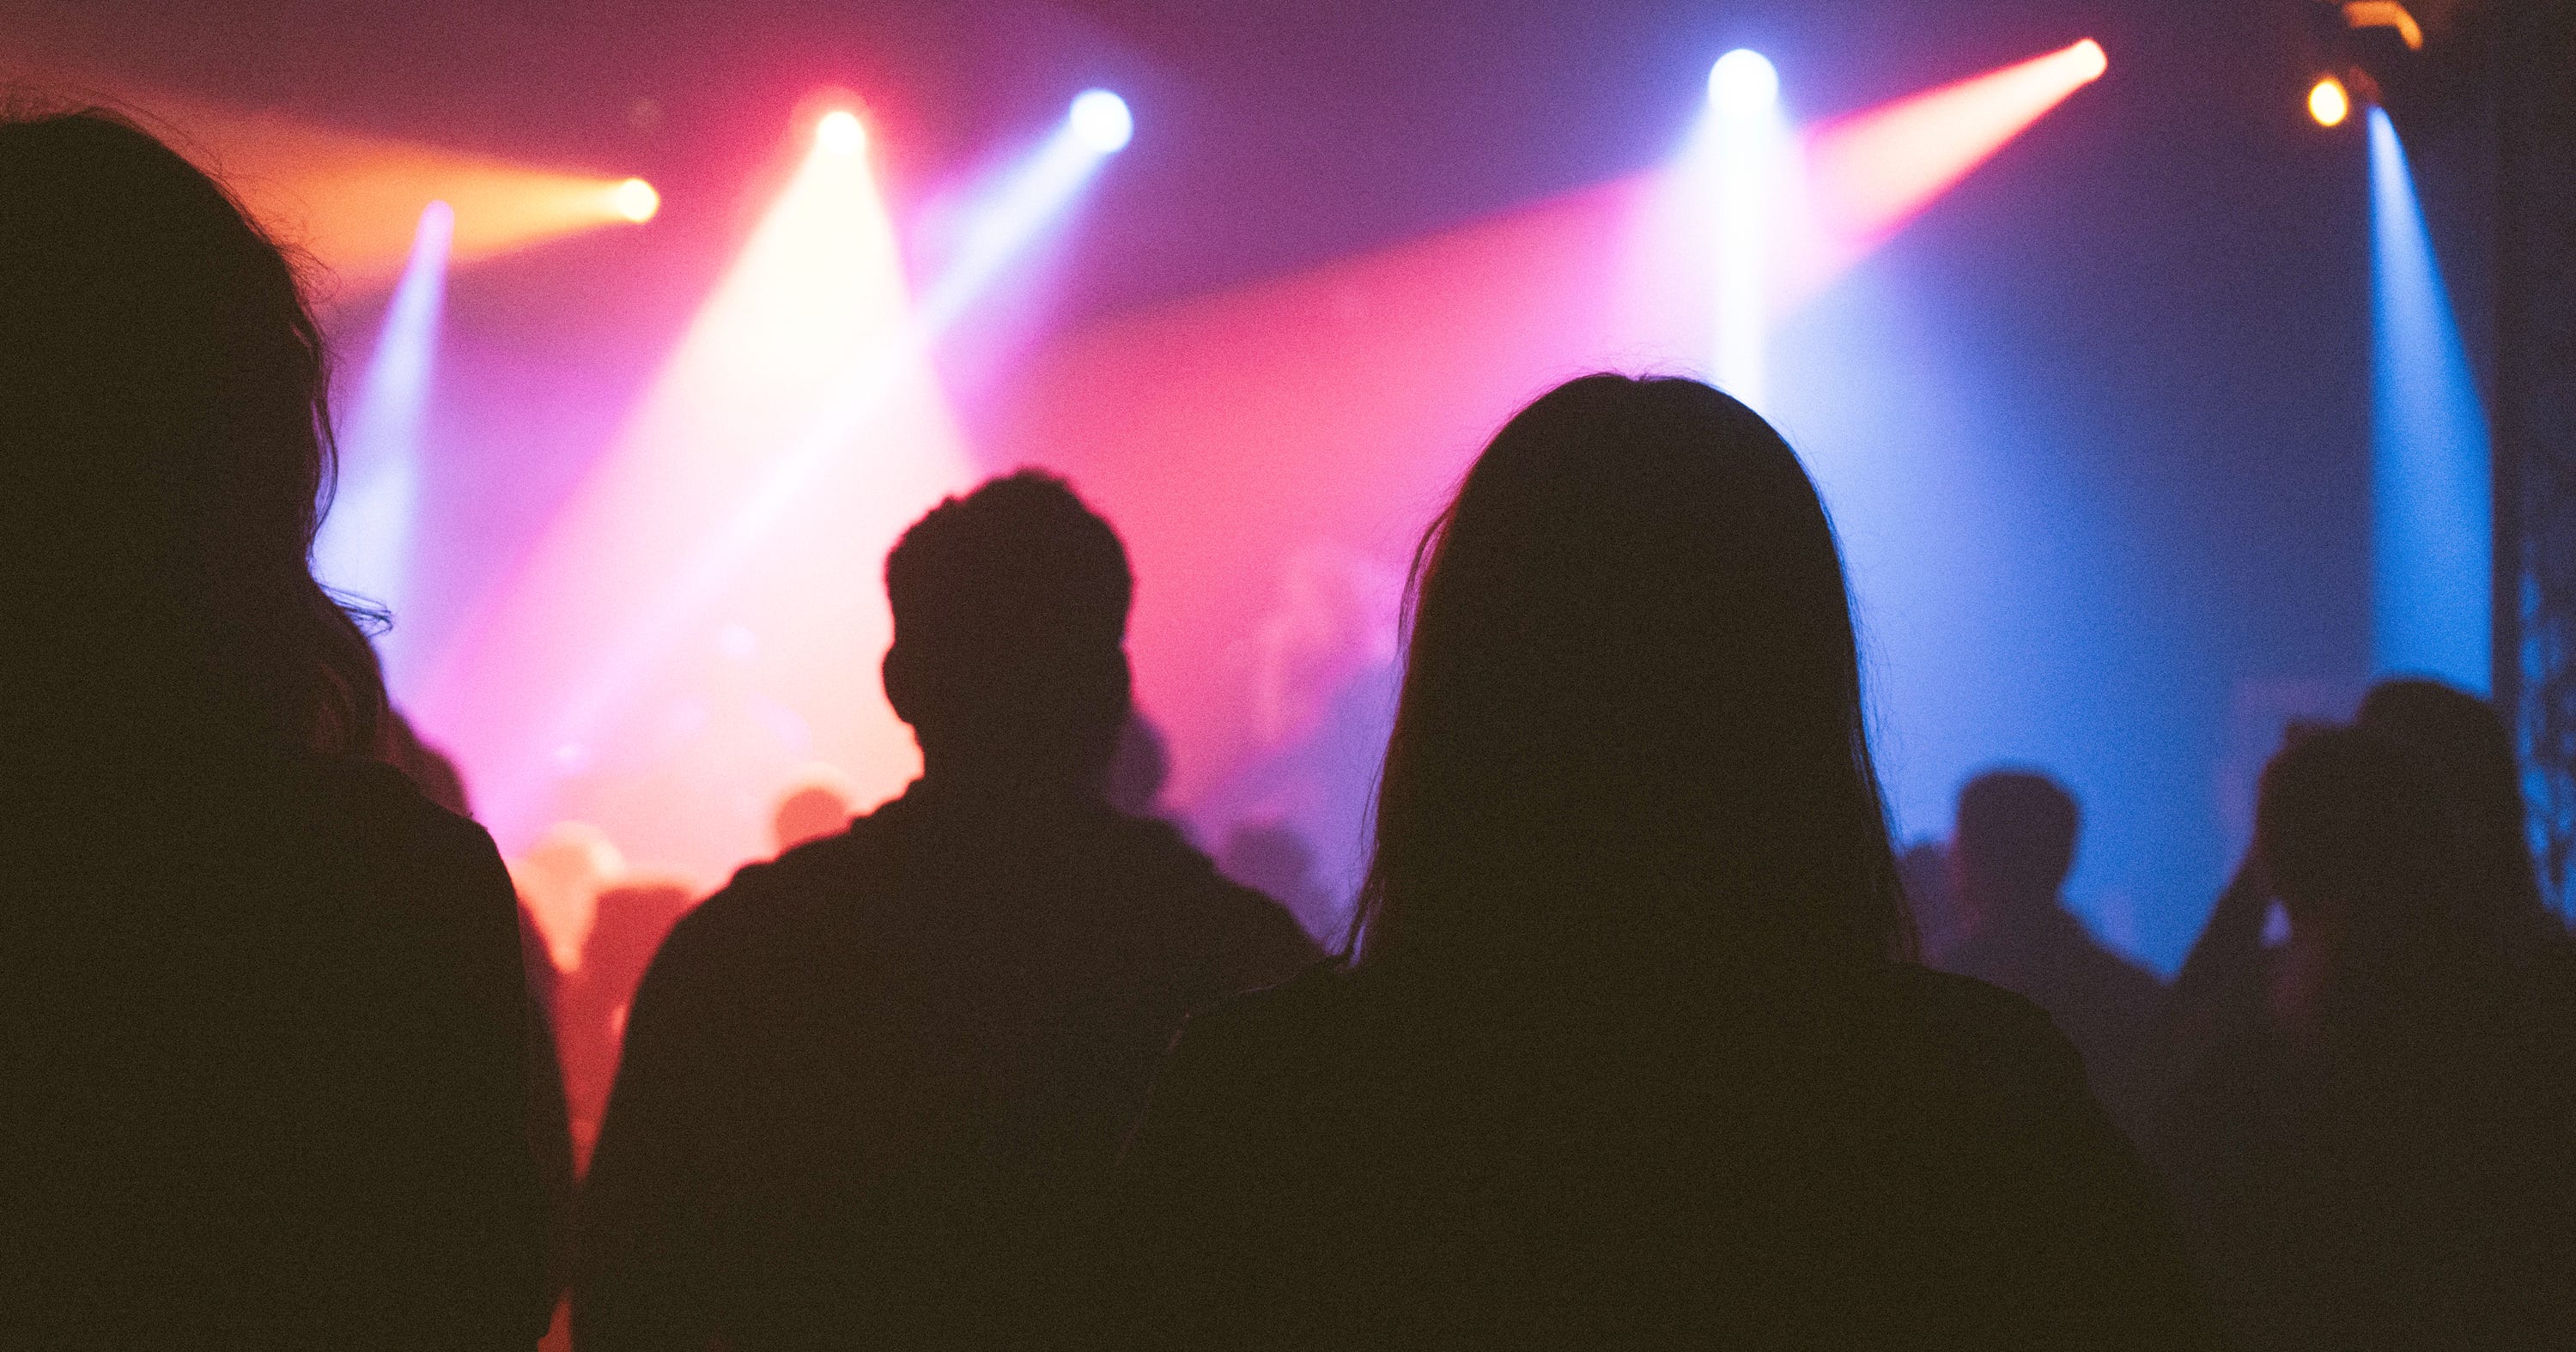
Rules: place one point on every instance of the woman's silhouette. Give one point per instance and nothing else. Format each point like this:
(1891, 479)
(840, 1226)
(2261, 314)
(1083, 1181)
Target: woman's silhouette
(1629, 1049)
(262, 1011)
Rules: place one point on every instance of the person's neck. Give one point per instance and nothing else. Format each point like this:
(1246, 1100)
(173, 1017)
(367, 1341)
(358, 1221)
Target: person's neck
(951, 779)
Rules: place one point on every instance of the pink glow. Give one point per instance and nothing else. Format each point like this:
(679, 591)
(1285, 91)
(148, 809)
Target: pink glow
(705, 614)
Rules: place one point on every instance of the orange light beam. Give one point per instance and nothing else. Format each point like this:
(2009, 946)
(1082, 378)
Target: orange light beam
(1871, 172)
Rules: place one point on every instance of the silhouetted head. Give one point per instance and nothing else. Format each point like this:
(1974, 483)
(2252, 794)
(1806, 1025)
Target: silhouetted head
(1010, 624)
(2458, 738)
(633, 920)
(1630, 735)
(811, 813)
(2359, 846)
(2014, 840)
(166, 447)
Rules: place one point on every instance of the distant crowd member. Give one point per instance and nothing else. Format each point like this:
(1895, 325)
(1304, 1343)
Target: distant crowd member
(1628, 1056)
(2380, 1150)
(2010, 852)
(810, 813)
(629, 922)
(872, 1092)
(2456, 738)
(1139, 768)
(1272, 859)
(263, 1017)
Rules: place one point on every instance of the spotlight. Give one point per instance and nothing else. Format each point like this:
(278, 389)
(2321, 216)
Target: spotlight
(636, 200)
(1101, 119)
(2328, 103)
(1743, 81)
(2089, 60)
(841, 132)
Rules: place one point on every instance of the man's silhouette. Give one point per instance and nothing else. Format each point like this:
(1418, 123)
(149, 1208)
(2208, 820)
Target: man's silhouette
(2013, 845)
(872, 1091)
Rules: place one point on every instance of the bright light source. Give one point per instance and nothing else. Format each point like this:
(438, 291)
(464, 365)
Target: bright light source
(841, 132)
(1101, 119)
(636, 200)
(1743, 81)
(2328, 103)
(2089, 60)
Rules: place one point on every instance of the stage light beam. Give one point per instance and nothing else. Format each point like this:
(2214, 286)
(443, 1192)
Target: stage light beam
(1873, 171)
(1750, 141)
(364, 548)
(2432, 503)
(2328, 103)
(637, 201)
(1101, 119)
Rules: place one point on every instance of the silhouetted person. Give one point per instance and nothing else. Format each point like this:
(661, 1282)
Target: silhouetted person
(630, 923)
(2010, 851)
(1627, 1057)
(263, 1016)
(2382, 1153)
(1272, 859)
(549, 1117)
(1139, 767)
(1924, 869)
(872, 1092)
(2458, 739)
(810, 813)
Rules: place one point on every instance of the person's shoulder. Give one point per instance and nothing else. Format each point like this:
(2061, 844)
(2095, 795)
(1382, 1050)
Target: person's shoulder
(1241, 915)
(1273, 1028)
(776, 904)
(1977, 1023)
(390, 812)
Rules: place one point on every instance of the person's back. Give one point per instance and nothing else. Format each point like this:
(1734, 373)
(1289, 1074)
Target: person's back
(1911, 1161)
(872, 1092)
(263, 1018)
(2013, 846)
(1628, 1054)
(264, 1039)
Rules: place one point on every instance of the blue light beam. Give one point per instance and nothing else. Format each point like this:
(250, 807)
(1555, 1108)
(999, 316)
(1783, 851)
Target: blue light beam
(364, 549)
(2432, 509)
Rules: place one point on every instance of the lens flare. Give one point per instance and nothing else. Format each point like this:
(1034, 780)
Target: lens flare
(636, 200)
(1101, 119)
(2328, 103)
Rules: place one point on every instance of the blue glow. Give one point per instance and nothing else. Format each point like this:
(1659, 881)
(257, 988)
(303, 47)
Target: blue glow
(2431, 495)
(364, 548)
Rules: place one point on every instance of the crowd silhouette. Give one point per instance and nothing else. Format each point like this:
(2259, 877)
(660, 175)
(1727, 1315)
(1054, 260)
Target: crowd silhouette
(1631, 1036)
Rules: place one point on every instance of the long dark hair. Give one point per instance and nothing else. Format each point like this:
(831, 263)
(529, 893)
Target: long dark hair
(165, 427)
(1631, 732)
